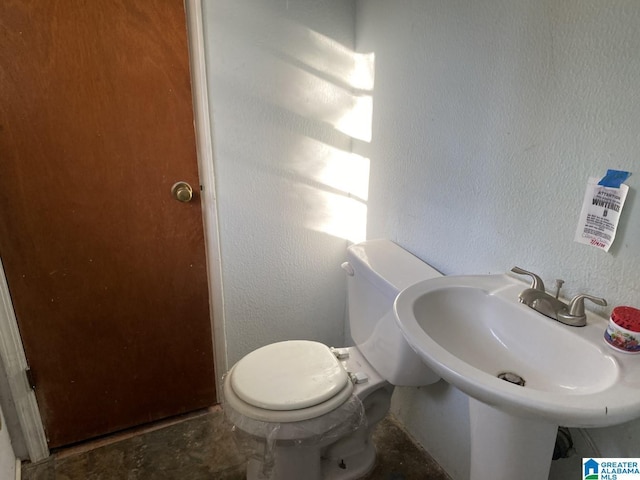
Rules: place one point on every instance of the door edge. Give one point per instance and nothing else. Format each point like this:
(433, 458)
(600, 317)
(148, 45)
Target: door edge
(15, 367)
(204, 146)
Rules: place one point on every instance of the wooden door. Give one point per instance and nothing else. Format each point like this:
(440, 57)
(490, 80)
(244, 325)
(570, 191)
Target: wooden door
(106, 270)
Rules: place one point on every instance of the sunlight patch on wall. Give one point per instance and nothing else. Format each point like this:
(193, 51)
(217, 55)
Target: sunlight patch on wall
(349, 70)
(341, 209)
(343, 217)
(336, 214)
(342, 212)
(314, 96)
(347, 215)
(348, 173)
(356, 121)
(333, 185)
(332, 167)
(334, 60)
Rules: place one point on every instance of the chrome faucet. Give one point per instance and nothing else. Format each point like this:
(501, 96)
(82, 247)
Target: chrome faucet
(536, 297)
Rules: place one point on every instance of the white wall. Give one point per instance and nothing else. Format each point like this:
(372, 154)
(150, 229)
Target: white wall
(488, 118)
(279, 85)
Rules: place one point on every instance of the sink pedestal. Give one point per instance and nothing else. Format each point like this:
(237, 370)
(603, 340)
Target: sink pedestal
(506, 446)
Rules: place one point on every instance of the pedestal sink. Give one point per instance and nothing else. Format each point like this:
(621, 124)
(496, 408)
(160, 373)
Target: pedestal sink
(473, 332)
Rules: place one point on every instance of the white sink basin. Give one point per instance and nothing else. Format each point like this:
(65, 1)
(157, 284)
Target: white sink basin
(469, 329)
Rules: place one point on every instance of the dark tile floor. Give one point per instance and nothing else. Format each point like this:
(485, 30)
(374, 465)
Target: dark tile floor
(200, 447)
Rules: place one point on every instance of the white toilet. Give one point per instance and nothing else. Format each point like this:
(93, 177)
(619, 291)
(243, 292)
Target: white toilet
(305, 410)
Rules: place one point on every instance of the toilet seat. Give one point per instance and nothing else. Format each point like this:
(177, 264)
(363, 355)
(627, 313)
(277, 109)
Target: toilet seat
(287, 382)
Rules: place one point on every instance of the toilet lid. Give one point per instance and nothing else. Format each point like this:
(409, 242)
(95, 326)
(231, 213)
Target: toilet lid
(288, 376)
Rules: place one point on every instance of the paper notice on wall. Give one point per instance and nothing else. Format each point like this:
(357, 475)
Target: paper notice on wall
(600, 213)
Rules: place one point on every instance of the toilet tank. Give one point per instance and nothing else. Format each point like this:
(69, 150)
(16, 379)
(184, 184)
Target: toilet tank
(377, 271)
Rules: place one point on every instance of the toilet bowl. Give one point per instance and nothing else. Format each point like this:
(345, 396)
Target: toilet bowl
(305, 410)
(327, 436)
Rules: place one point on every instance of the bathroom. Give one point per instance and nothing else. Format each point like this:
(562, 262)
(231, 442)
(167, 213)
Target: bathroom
(463, 131)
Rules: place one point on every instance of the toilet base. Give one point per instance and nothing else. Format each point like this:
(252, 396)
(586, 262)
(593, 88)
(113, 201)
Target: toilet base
(354, 466)
(349, 458)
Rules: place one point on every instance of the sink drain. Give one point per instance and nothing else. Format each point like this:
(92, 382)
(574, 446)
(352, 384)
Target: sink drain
(511, 378)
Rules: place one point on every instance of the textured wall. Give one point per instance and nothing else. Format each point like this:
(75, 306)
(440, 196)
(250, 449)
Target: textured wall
(488, 119)
(278, 75)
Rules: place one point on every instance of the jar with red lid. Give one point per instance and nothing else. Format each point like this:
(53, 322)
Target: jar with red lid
(623, 330)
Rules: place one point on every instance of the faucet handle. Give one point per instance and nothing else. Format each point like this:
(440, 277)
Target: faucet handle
(576, 306)
(536, 281)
